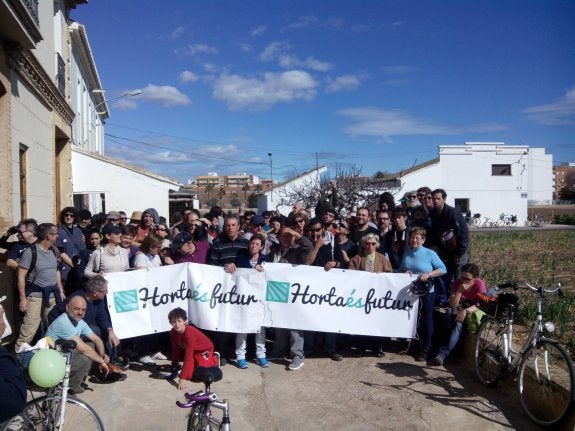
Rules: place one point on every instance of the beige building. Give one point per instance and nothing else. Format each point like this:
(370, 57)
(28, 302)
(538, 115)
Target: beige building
(35, 113)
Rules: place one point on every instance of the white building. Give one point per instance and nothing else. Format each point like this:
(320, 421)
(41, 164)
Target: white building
(283, 196)
(489, 178)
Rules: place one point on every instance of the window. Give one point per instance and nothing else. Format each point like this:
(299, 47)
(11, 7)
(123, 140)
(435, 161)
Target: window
(22, 166)
(462, 204)
(498, 170)
(61, 78)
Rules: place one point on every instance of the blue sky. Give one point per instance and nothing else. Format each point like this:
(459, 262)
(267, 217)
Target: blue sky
(377, 84)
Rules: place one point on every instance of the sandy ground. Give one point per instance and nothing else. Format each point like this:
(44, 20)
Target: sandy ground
(368, 393)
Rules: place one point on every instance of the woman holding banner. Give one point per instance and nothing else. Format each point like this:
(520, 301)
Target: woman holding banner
(426, 264)
(371, 261)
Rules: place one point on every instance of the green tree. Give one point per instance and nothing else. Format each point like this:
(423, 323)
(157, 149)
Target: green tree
(252, 201)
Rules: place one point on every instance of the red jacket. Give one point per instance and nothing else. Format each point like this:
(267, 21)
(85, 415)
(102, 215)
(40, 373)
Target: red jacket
(199, 350)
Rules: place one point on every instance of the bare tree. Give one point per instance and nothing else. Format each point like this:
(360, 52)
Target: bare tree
(352, 190)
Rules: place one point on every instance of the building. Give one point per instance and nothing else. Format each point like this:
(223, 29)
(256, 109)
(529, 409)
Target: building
(564, 176)
(490, 178)
(282, 196)
(35, 112)
(227, 191)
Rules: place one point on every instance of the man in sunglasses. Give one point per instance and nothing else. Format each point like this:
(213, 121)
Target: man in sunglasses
(326, 253)
(70, 242)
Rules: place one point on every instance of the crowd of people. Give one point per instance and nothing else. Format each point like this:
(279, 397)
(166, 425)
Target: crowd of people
(60, 273)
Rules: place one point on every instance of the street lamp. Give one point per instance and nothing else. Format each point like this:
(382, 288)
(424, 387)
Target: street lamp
(271, 175)
(126, 94)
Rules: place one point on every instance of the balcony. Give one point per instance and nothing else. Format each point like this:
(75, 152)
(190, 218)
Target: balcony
(21, 22)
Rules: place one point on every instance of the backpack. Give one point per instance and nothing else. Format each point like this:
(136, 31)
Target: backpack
(34, 250)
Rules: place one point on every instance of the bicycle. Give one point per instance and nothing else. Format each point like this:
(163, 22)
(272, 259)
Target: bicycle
(474, 220)
(508, 220)
(536, 221)
(545, 374)
(201, 417)
(57, 410)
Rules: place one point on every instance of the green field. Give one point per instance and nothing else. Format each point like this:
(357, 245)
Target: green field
(541, 258)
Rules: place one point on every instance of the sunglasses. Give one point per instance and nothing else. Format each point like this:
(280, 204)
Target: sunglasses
(383, 218)
(161, 229)
(69, 215)
(300, 221)
(371, 243)
(413, 197)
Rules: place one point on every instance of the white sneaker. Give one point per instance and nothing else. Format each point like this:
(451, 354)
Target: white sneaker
(146, 360)
(159, 356)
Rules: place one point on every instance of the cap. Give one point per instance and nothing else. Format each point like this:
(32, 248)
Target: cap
(136, 216)
(257, 219)
(84, 215)
(115, 215)
(110, 228)
(181, 239)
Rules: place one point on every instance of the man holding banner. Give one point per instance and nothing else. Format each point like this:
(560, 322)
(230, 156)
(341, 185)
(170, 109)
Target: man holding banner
(224, 252)
(293, 248)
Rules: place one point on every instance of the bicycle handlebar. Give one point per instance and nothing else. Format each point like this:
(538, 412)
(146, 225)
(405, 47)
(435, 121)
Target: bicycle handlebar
(516, 284)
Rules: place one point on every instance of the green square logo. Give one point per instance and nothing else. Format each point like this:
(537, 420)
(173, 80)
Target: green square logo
(277, 291)
(126, 300)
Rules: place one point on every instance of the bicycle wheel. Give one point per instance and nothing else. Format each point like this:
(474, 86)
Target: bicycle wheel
(201, 419)
(40, 415)
(488, 352)
(546, 383)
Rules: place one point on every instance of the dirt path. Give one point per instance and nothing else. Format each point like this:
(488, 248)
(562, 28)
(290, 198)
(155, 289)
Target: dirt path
(392, 393)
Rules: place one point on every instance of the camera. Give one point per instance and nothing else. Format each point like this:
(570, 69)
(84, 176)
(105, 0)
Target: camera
(420, 287)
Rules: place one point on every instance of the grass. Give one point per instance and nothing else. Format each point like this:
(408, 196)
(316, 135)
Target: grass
(541, 258)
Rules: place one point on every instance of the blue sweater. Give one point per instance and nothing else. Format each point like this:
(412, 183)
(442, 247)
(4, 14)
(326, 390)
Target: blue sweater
(421, 260)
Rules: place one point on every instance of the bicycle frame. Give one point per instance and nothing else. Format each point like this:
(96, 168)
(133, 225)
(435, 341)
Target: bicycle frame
(513, 357)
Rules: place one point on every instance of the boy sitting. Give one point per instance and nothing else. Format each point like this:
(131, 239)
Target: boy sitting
(199, 350)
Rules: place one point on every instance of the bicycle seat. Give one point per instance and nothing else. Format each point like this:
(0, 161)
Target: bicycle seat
(66, 345)
(207, 375)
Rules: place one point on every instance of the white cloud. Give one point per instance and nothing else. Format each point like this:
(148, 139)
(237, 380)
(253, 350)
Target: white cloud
(258, 31)
(385, 123)
(273, 50)
(302, 22)
(290, 61)
(195, 49)
(187, 76)
(344, 82)
(125, 104)
(175, 34)
(245, 47)
(308, 21)
(560, 112)
(262, 93)
(165, 95)
(400, 69)
(277, 51)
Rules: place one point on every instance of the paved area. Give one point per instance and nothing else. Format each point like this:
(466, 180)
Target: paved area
(391, 393)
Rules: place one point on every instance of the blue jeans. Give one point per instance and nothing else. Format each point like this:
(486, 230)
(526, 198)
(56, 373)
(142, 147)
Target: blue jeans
(453, 339)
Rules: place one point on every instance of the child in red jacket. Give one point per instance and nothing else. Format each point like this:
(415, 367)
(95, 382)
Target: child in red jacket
(199, 350)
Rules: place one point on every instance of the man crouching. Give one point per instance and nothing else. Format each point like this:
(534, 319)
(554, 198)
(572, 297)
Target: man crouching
(71, 326)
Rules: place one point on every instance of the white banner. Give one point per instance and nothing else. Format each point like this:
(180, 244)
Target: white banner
(284, 296)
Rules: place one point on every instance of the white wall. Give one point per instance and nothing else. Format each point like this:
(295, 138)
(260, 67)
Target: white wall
(125, 189)
(272, 200)
(464, 171)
